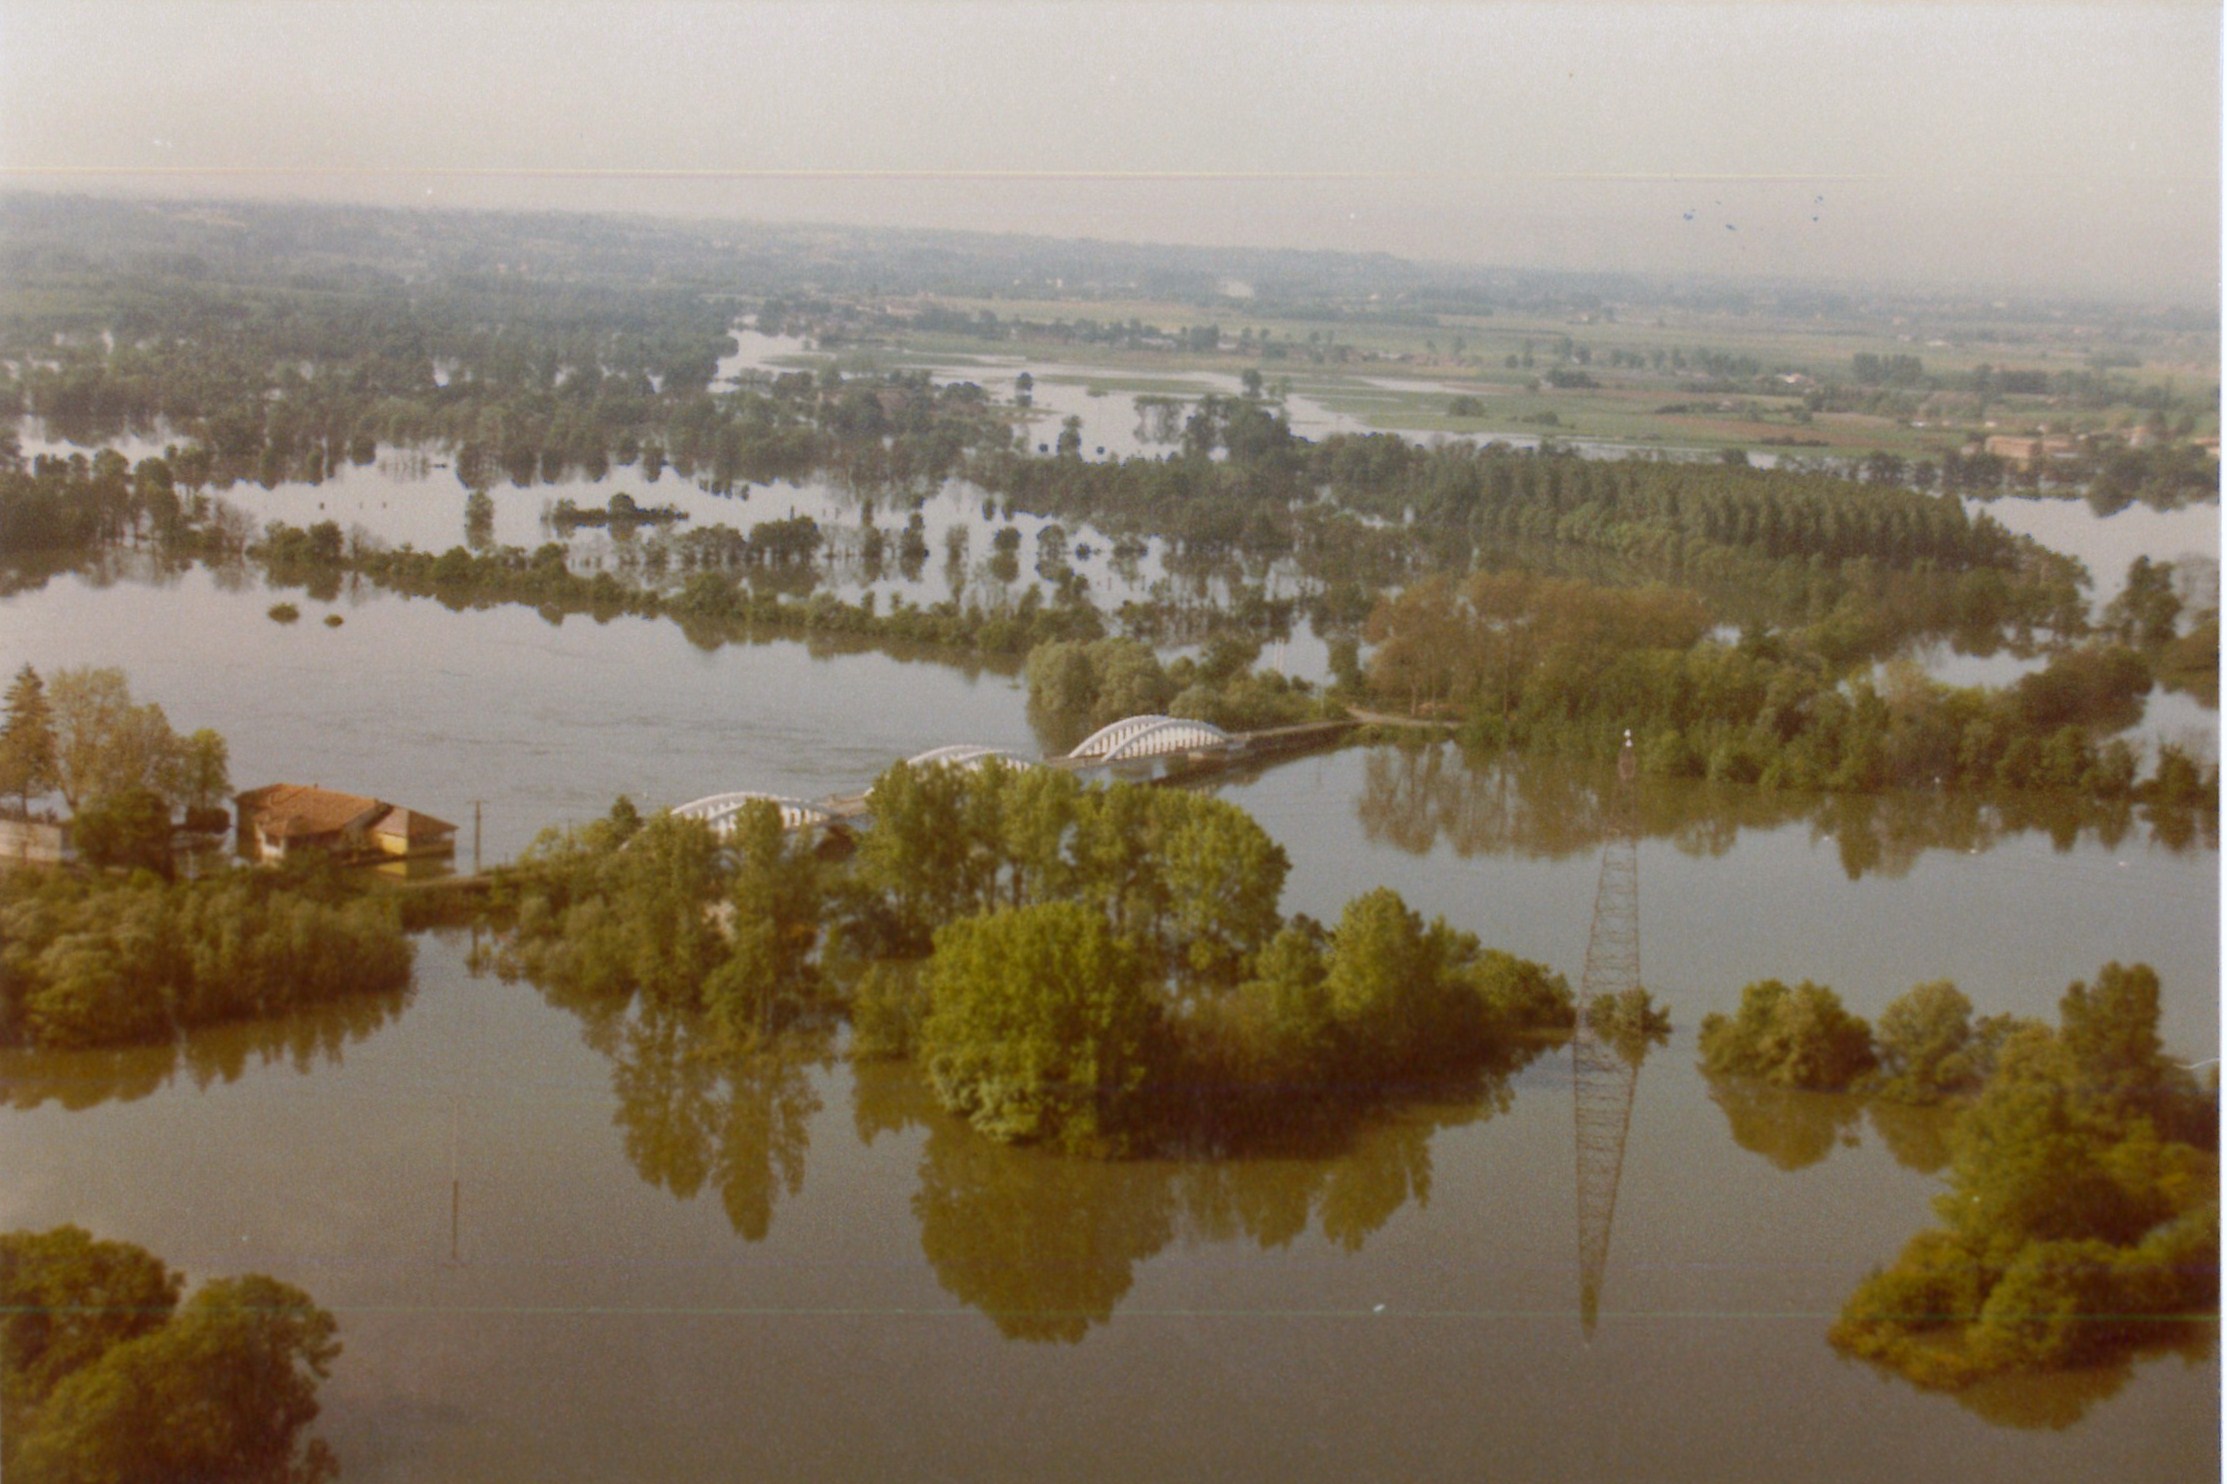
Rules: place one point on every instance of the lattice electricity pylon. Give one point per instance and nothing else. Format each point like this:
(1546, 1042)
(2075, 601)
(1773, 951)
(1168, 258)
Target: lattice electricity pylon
(1605, 1081)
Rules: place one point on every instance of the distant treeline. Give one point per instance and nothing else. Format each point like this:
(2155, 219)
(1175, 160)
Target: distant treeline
(540, 381)
(1567, 666)
(1528, 660)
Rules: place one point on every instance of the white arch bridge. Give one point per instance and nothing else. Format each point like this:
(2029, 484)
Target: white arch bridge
(1131, 739)
(720, 811)
(968, 756)
(1152, 736)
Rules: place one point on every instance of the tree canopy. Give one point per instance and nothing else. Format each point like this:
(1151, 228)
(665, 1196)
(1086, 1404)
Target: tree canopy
(1799, 1037)
(2082, 1215)
(109, 1379)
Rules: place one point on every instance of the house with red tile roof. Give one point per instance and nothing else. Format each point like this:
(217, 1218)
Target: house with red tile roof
(285, 819)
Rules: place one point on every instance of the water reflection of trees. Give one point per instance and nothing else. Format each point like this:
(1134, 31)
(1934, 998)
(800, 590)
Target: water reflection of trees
(1791, 1128)
(1795, 1129)
(695, 1113)
(2052, 1401)
(738, 1122)
(1048, 1246)
(102, 567)
(305, 1041)
(1546, 809)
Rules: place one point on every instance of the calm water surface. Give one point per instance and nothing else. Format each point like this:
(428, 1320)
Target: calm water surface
(557, 1251)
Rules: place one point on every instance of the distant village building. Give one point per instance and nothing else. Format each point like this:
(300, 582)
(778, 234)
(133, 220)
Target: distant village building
(2019, 453)
(34, 842)
(285, 819)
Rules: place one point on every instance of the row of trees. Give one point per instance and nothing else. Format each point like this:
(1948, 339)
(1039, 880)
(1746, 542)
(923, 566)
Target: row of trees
(1076, 687)
(709, 597)
(1567, 665)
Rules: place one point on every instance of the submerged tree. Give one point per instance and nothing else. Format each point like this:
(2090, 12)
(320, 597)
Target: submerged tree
(1791, 1037)
(1041, 1025)
(2077, 1225)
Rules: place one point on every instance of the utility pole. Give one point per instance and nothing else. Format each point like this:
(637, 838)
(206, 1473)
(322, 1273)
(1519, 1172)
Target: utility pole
(455, 1178)
(475, 837)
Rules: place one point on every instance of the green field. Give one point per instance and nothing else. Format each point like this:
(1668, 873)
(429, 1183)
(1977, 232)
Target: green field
(1338, 361)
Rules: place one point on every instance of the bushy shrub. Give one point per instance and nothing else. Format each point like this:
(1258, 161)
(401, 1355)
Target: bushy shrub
(1799, 1037)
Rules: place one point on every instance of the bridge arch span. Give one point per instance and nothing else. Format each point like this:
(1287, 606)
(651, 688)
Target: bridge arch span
(1150, 736)
(720, 811)
(967, 755)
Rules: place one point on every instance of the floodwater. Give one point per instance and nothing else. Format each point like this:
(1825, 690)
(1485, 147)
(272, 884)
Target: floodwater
(411, 498)
(561, 1248)
(2108, 544)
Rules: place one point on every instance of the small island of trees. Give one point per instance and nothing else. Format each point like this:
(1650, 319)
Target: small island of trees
(2081, 1218)
(1103, 969)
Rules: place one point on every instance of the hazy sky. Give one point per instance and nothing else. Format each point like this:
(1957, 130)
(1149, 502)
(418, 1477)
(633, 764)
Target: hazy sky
(2026, 146)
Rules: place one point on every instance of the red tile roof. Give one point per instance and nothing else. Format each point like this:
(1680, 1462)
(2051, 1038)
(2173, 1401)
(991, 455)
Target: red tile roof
(294, 809)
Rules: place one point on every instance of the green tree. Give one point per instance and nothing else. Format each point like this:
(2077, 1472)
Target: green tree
(1798, 1037)
(1036, 830)
(66, 1300)
(920, 865)
(107, 1379)
(1295, 1025)
(1224, 878)
(104, 743)
(1405, 1003)
(28, 750)
(130, 828)
(606, 922)
(222, 1391)
(205, 774)
(1926, 1046)
(1040, 1026)
(2073, 1227)
(1380, 972)
(2147, 610)
(2110, 1032)
(773, 920)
